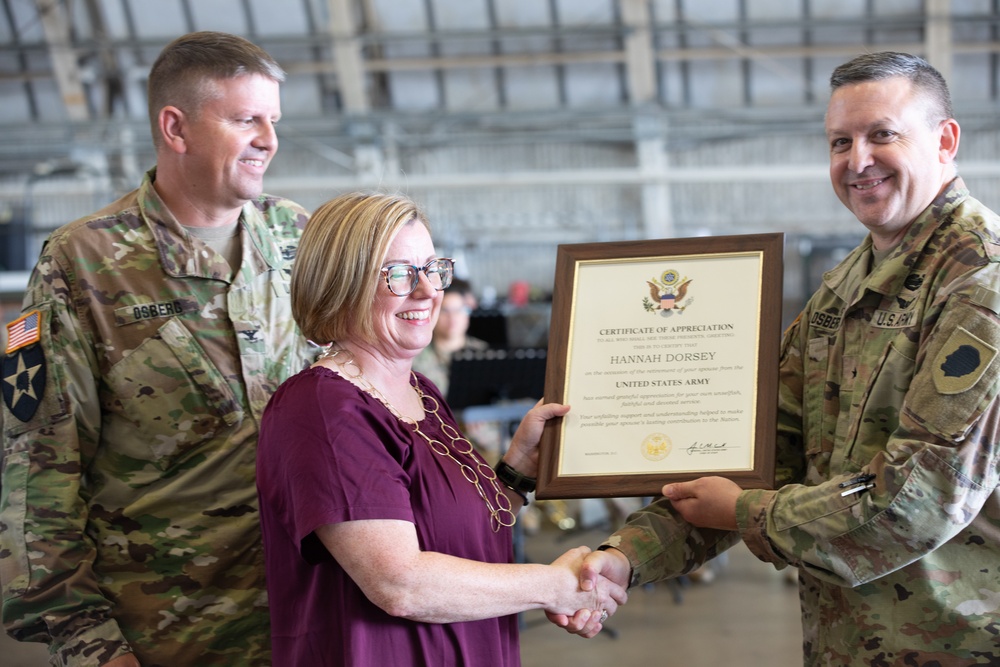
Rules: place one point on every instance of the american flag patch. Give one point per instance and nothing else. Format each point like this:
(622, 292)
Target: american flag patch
(24, 331)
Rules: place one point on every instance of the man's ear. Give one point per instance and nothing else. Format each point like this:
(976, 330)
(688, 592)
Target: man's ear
(950, 134)
(173, 125)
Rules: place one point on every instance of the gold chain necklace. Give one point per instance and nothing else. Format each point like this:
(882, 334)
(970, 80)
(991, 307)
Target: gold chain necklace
(500, 509)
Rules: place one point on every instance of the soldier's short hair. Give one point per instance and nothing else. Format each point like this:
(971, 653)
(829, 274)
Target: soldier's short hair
(185, 70)
(337, 269)
(888, 64)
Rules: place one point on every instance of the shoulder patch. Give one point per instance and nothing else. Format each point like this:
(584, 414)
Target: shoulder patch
(961, 362)
(23, 375)
(24, 331)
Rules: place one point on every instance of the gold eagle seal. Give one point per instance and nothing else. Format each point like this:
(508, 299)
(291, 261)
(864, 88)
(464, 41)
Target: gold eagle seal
(656, 447)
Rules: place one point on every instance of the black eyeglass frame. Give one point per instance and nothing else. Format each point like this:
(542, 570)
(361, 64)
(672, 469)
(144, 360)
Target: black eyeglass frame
(416, 274)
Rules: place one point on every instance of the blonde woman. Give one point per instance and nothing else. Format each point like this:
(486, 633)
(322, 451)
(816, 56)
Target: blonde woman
(387, 537)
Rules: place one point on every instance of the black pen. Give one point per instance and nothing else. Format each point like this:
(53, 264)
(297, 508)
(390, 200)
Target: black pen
(861, 479)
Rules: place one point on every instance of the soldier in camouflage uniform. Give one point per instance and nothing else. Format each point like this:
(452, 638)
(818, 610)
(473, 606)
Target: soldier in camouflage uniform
(887, 444)
(134, 383)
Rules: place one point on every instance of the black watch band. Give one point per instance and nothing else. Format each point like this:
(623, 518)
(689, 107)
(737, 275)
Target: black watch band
(513, 479)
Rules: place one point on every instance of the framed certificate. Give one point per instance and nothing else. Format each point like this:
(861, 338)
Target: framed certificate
(667, 352)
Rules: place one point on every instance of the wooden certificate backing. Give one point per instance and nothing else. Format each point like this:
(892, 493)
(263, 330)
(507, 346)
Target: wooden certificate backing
(667, 352)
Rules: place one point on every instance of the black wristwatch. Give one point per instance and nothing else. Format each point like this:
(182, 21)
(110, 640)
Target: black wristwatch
(513, 479)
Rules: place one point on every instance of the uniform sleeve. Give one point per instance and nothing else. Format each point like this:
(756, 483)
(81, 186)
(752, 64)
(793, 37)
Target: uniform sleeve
(937, 470)
(325, 458)
(651, 536)
(659, 544)
(51, 430)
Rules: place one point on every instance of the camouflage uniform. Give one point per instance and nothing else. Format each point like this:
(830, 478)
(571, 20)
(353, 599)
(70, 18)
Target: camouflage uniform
(129, 507)
(889, 373)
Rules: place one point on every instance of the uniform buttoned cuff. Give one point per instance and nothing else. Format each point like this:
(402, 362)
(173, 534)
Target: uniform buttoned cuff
(93, 647)
(751, 519)
(624, 545)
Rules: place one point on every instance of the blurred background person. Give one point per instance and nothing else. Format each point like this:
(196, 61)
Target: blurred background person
(388, 538)
(450, 335)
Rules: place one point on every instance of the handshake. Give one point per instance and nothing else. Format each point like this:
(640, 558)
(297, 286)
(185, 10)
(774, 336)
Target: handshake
(597, 588)
(602, 577)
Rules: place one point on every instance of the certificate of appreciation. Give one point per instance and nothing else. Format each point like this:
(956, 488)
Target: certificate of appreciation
(667, 352)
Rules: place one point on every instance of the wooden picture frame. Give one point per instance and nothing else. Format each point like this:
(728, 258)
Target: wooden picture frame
(667, 351)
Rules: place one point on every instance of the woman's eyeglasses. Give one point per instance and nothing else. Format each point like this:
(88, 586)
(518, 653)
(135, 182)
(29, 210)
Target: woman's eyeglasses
(402, 279)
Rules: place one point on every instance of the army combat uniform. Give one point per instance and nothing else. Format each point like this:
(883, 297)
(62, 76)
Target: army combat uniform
(887, 455)
(133, 386)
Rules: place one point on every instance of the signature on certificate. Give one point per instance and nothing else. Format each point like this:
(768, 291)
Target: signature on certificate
(706, 447)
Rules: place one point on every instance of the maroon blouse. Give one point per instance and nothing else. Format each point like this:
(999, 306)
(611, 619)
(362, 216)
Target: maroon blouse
(327, 453)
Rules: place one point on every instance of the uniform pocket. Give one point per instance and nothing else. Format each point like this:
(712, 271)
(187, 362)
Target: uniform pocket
(815, 390)
(883, 402)
(172, 393)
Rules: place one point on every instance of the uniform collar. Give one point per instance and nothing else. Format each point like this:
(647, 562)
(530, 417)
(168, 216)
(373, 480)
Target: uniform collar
(183, 257)
(851, 278)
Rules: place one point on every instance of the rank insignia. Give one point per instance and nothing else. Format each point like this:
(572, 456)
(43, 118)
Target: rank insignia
(961, 362)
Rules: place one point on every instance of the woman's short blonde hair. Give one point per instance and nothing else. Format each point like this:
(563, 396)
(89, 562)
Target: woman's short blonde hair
(337, 269)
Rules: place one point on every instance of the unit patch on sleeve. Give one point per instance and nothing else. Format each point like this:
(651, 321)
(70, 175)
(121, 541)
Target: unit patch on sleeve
(22, 373)
(961, 362)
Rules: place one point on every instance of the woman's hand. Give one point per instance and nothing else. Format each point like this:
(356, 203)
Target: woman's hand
(522, 455)
(592, 593)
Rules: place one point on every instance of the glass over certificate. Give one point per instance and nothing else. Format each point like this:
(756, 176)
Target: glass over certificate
(667, 352)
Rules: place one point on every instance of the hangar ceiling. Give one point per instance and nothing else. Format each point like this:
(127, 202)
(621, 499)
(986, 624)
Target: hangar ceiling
(519, 124)
(73, 72)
